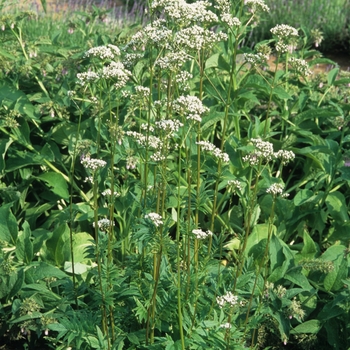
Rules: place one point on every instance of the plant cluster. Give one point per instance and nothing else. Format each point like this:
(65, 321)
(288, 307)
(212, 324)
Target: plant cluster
(165, 188)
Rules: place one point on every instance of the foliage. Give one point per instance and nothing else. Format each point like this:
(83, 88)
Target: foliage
(328, 16)
(167, 188)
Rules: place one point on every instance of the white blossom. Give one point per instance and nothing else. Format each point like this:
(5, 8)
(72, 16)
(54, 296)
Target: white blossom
(200, 234)
(104, 224)
(228, 298)
(92, 163)
(155, 218)
(208, 146)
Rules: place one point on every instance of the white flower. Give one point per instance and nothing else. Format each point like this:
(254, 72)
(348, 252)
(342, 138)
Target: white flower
(190, 106)
(228, 298)
(200, 234)
(153, 141)
(208, 146)
(108, 192)
(104, 224)
(257, 5)
(103, 52)
(91, 163)
(225, 325)
(285, 156)
(196, 38)
(155, 218)
(275, 189)
(284, 31)
(263, 151)
(234, 184)
(87, 77)
(301, 66)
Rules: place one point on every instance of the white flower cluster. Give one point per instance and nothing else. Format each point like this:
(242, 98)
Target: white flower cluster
(182, 79)
(104, 224)
(142, 91)
(224, 7)
(230, 20)
(200, 234)
(228, 298)
(284, 31)
(275, 189)
(108, 192)
(156, 33)
(103, 52)
(91, 163)
(172, 60)
(153, 141)
(131, 163)
(301, 66)
(168, 126)
(257, 5)
(225, 325)
(285, 156)
(197, 38)
(131, 58)
(255, 59)
(157, 157)
(286, 36)
(263, 151)
(234, 184)
(155, 218)
(184, 13)
(115, 70)
(190, 106)
(87, 77)
(208, 146)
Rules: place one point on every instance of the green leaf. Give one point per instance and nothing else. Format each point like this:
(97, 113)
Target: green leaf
(24, 246)
(309, 249)
(17, 286)
(43, 3)
(7, 55)
(281, 93)
(57, 182)
(296, 277)
(308, 327)
(7, 283)
(217, 61)
(81, 242)
(303, 196)
(332, 75)
(8, 225)
(334, 279)
(53, 251)
(337, 206)
(17, 100)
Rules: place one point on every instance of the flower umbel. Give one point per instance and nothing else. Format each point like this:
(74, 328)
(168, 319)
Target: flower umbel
(200, 234)
(155, 218)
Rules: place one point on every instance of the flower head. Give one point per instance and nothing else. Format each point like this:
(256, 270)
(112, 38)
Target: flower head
(155, 218)
(200, 234)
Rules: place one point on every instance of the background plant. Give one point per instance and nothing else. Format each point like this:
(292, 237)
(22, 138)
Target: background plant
(171, 191)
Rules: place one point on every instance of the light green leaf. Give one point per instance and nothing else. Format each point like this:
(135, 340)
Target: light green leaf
(8, 225)
(57, 182)
(308, 327)
(332, 75)
(337, 206)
